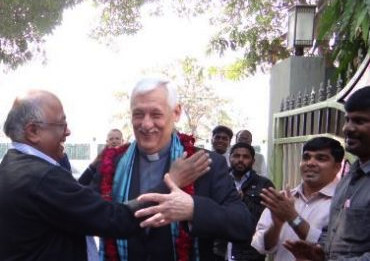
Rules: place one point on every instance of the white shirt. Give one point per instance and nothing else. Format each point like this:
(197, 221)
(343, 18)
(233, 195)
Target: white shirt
(29, 150)
(315, 211)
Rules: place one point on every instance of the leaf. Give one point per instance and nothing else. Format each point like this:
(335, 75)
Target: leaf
(365, 28)
(328, 20)
(23, 23)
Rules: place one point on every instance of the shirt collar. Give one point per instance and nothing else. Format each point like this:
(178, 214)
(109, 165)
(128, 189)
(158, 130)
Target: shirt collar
(29, 150)
(327, 191)
(244, 178)
(156, 156)
(365, 167)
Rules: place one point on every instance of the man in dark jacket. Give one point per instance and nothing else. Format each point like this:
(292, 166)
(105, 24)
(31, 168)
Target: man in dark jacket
(249, 184)
(45, 213)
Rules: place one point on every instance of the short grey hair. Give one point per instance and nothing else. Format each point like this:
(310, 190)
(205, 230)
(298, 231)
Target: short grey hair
(148, 84)
(23, 111)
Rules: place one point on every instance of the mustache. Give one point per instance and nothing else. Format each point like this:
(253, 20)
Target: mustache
(244, 166)
(147, 131)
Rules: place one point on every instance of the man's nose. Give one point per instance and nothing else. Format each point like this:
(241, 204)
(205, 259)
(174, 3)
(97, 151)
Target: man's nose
(311, 161)
(67, 132)
(147, 122)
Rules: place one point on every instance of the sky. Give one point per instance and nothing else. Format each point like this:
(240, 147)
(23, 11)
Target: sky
(85, 73)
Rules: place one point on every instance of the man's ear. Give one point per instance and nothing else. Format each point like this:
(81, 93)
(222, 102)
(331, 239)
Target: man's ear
(338, 166)
(32, 133)
(177, 112)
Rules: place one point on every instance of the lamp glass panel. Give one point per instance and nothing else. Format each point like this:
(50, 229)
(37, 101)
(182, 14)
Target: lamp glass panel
(304, 29)
(291, 28)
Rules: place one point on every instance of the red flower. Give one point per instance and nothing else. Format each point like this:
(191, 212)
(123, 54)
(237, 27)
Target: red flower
(107, 169)
(184, 241)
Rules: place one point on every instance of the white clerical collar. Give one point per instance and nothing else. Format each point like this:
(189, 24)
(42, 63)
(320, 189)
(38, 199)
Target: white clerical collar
(158, 155)
(29, 150)
(153, 157)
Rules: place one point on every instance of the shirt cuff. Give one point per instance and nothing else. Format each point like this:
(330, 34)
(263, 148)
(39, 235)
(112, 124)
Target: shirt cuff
(313, 234)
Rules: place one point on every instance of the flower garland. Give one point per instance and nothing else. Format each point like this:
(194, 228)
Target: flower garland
(184, 242)
(107, 169)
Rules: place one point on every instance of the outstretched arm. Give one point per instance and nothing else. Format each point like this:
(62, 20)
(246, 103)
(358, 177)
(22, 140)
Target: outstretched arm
(215, 194)
(175, 206)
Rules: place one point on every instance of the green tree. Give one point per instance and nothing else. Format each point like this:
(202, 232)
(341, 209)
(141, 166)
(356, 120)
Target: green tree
(252, 27)
(200, 103)
(347, 23)
(257, 28)
(23, 23)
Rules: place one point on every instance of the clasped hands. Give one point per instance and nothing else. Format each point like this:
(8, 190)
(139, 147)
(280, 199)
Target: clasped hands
(281, 205)
(177, 205)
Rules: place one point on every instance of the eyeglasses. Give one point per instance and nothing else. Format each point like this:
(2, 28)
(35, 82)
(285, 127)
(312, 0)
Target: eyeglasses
(56, 124)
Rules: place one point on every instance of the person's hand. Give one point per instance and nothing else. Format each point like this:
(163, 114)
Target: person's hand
(303, 250)
(185, 171)
(281, 205)
(276, 220)
(176, 206)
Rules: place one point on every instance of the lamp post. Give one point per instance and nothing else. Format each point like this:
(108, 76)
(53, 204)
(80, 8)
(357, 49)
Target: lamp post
(301, 27)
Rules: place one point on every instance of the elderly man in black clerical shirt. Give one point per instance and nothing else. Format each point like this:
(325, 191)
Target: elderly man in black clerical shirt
(208, 208)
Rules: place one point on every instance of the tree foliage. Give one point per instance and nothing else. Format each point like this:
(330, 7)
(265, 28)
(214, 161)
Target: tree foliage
(118, 17)
(254, 28)
(200, 104)
(257, 29)
(197, 97)
(23, 23)
(348, 23)
(123, 17)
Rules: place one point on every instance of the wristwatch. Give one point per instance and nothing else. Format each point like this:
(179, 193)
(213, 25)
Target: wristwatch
(296, 222)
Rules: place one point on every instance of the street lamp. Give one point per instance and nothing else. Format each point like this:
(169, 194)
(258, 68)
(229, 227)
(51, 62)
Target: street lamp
(300, 27)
